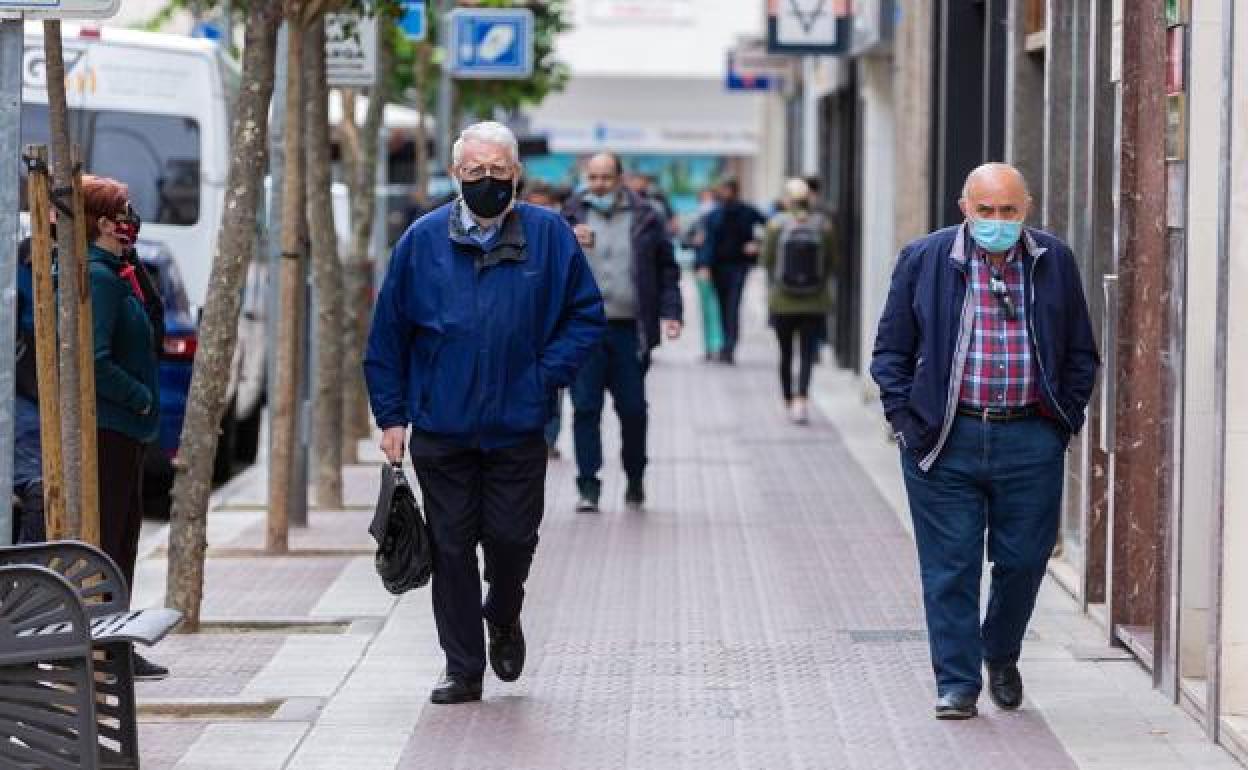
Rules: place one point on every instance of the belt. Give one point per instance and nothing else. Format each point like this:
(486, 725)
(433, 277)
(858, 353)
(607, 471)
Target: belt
(1000, 415)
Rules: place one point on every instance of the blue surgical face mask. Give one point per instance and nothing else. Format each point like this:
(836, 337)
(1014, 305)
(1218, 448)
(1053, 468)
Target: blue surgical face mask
(603, 203)
(996, 236)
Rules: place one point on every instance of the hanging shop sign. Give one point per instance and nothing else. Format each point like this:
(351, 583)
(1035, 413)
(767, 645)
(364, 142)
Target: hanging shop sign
(811, 27)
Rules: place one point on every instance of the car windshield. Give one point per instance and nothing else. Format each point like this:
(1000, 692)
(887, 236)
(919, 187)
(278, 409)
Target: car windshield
(157, 156)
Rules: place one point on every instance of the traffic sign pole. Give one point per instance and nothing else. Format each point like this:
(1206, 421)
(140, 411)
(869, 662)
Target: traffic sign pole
(445, 85)
(11, 44)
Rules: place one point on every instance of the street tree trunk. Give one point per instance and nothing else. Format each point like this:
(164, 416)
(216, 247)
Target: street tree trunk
(290, 294)
(362, 150)
(327, 427)
(71, 279)
(218, 328)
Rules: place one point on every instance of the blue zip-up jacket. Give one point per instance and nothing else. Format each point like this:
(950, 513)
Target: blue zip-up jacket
(469, 341)
(127, 383)
(924, 333)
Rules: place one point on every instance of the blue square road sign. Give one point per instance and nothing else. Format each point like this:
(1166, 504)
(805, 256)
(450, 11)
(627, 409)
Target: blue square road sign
(412, 22)
(491, 43)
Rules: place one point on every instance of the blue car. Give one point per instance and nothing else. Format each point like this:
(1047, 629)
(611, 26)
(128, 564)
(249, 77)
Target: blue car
(177, 359)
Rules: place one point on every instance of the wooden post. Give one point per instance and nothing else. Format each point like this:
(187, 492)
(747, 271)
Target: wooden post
(86, 366)
(45, 344)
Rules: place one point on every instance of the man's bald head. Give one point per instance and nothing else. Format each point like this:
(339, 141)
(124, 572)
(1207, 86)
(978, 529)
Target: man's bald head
(995, 191)
(603, 172)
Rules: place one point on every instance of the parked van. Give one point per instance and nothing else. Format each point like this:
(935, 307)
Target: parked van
(154, 111)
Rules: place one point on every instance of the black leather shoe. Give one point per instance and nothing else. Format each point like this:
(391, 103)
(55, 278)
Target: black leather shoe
(506, 650)
(1005, 685)
(956, 706)
(635, 495)
(456, 688)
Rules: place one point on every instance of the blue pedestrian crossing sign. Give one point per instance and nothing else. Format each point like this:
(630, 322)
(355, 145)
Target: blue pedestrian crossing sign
(491, 43)
(412, 22)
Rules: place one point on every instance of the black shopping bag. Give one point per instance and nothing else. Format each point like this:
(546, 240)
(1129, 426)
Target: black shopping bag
(404, 555)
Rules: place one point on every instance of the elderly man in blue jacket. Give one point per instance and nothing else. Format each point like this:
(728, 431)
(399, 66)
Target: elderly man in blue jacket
(985, 360)
(487, 307)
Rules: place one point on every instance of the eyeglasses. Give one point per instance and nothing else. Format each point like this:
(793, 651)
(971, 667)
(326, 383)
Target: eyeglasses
(477, 173)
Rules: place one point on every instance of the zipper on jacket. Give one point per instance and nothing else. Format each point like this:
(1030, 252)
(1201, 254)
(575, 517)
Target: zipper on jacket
(1035, 349)
(955, 384)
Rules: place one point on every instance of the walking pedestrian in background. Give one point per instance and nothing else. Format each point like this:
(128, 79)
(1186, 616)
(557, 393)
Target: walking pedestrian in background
(539, 193)
(985, 360)
(126, 377)
(487, 307)
(728, 252)
(626, 241)
(798, 257)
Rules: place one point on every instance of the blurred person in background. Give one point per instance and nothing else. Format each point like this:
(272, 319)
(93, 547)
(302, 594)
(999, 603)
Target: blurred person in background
(798, 255)
(539, 193)
(729, 251)
(630, 253)
(28, 522)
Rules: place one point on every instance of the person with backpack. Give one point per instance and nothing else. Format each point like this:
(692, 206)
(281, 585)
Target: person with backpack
(126, 375)
(728, 252)
(797, 254)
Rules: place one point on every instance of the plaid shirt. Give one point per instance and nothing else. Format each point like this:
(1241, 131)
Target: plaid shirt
(999, 372)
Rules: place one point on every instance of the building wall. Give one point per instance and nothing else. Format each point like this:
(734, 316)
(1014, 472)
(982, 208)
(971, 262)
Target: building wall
(879, 194)
(912, 76)
(1200, 344)
(1234, 641)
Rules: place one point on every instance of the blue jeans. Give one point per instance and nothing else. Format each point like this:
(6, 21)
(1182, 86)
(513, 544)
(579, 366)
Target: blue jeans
(614, 365)
(28, 471)
(999, 478)
(729, 279)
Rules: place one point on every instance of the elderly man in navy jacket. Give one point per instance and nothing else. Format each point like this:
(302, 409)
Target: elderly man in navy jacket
(985, 360)
(488, 306)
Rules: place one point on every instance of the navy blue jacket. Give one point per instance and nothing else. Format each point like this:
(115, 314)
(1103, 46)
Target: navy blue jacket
(729, 226)
(656, 275)
(468, 343)
(921, 326)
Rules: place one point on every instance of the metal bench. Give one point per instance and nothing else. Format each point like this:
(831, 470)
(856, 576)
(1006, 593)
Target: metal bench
(66, 664)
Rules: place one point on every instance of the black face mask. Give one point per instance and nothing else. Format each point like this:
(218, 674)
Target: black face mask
(488, 197)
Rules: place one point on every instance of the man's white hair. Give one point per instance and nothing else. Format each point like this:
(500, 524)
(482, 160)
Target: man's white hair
(489, 131)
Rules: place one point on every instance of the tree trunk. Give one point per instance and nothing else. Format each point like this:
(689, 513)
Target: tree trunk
(358, 275)
(290, 292)
(327, 416)
(71, 279)
(218, 328)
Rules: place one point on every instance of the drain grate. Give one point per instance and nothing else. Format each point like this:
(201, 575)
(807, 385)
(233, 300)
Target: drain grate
(887, 636)
(209, 710)
(275, 626)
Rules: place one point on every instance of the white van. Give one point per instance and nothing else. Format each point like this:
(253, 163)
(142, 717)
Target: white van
(154, 111)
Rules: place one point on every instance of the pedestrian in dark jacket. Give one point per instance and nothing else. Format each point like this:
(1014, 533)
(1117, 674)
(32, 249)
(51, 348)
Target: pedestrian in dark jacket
(126, 377)
(28, 523)
(728, 252)
(985, 360)
(626, 240)
(487, 307)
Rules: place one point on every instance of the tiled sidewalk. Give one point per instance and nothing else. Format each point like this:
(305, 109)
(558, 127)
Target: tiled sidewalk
(763, 613)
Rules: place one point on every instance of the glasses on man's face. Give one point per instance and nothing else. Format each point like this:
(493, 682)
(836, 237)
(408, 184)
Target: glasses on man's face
(477, 173)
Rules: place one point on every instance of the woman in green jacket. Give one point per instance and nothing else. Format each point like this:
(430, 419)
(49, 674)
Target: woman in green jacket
(127, 387)
(798, 259)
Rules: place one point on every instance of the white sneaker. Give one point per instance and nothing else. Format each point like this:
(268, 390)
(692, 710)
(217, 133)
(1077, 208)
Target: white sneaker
(798, 412)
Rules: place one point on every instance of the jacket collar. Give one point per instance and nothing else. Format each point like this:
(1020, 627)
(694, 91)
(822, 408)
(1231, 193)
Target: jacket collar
(97, 254)
(961, 254)
(509, 245)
